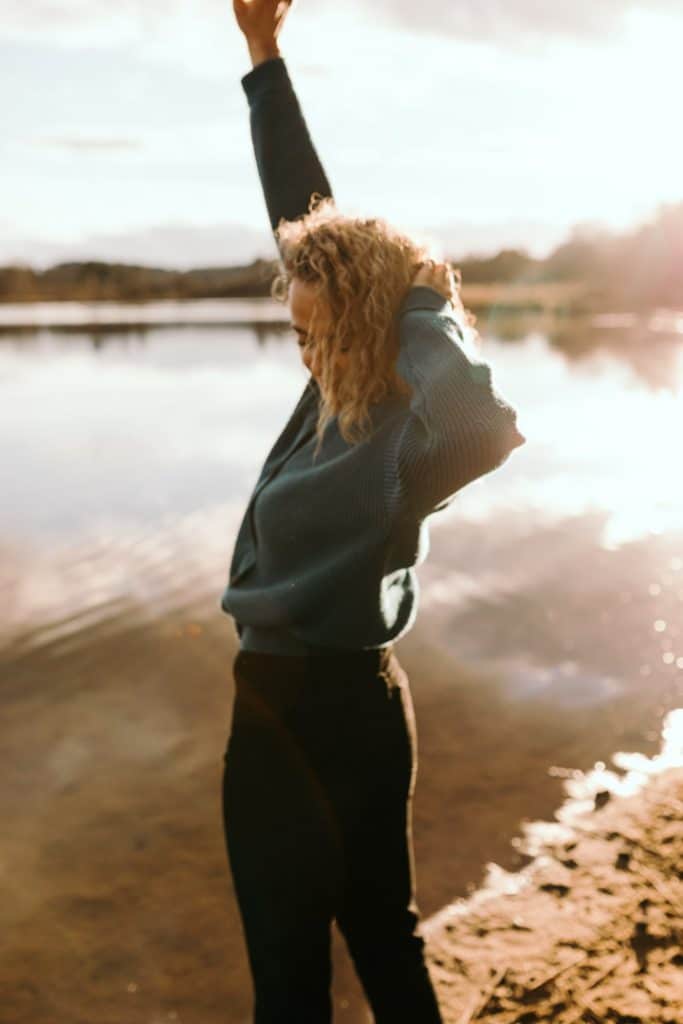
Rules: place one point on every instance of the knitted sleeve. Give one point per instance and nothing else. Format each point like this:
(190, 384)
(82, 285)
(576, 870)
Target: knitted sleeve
(286, 159)
(459, 427)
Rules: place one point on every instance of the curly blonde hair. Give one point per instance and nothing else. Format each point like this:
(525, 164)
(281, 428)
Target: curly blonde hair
(363, 268)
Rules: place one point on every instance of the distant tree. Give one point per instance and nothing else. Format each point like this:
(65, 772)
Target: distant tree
(507, 265)
(18, 283)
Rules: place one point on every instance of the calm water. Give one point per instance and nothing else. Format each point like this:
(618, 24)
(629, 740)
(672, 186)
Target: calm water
(128, 456)
(550, 630)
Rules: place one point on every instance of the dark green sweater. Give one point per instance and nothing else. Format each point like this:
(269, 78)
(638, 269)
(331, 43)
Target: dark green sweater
(325, 554)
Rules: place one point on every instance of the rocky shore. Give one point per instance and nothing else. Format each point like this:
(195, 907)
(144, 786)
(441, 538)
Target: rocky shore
(591, 929)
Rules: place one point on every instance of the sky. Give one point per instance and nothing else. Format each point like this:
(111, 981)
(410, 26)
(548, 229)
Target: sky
(475, 125)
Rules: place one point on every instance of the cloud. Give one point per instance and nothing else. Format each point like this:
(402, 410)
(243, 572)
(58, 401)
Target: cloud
(201, 36)
(196, 34)
(478, 19)
(493, 20)
(174, 246)
(84, 144)
(77, 21)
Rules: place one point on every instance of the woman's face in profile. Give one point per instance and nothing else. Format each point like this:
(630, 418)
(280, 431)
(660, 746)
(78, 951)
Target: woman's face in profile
(301, 299)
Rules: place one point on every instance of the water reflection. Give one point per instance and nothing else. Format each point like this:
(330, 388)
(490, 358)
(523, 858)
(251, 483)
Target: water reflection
(118, 445)
(649, 345)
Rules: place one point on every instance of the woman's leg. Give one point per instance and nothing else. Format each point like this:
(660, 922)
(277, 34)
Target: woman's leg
(281, 842)
(378, 913)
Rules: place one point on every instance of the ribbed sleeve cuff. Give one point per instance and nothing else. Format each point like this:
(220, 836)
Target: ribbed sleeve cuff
(421, 296)
(269, 74)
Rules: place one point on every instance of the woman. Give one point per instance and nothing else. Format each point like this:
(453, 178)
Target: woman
(321, 762)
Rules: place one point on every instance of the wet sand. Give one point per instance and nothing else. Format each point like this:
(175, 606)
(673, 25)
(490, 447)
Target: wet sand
(120, 904)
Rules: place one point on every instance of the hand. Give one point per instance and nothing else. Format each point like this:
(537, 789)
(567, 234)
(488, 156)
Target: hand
(261, 21)
(438, 276)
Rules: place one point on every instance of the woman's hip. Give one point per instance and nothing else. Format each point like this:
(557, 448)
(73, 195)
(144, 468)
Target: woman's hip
(352, 709)
(346, 677)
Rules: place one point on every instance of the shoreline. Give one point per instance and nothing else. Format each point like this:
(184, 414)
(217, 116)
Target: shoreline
(590, 929)
(556, 302)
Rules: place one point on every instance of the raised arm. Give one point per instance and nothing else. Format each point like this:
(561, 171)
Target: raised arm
(461, 427)
(286, 159)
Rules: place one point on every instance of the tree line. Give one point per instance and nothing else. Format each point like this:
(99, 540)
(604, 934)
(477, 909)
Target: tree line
(636, 269)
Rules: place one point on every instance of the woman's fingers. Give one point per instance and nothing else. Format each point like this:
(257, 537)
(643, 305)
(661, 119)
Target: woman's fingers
(282, 12)
(435, 275)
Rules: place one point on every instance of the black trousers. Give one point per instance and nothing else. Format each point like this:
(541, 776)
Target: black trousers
(320, 769)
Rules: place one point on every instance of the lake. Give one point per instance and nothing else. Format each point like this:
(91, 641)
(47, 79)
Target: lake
(550, 630)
